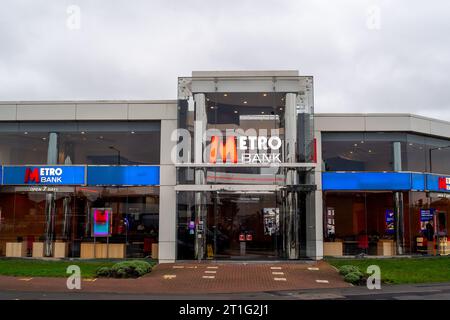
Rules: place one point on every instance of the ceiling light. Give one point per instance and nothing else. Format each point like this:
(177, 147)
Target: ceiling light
(225, 95)
(245, 102)
(355, 145)
(235, 111)
(264, 94)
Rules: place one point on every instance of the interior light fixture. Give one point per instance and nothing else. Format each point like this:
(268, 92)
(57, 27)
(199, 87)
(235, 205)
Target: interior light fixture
(225, 94)
(264, 94)
(245, 102)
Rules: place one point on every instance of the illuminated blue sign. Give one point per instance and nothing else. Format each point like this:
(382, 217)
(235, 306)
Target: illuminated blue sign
(123, 175)
(368, 181)
(44, 175)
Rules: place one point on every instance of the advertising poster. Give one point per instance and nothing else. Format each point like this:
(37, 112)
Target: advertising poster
(271, 220)
(426, 216)
(101, 220)
(389, 221)
(331, 230)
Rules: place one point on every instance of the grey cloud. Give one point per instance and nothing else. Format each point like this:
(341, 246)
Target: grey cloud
(137, 49)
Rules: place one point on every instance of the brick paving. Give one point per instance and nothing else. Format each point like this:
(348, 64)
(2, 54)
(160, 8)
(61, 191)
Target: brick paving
(197, 278)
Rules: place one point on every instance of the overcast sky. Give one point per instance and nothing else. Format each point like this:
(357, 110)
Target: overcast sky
(365, 56)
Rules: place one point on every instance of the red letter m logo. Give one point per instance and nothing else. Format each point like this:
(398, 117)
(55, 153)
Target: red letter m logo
(442, 183)
(32, 175)
(229, 148)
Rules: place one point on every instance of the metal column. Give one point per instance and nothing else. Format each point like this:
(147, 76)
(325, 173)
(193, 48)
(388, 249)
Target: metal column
(200, 196)
(292, 218)
(398, 202)
(52, 158)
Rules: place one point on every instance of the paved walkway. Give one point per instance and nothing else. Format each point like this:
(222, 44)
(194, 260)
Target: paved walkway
(199, 278)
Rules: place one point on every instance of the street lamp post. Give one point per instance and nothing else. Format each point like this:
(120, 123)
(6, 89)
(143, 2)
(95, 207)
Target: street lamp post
(118, 153)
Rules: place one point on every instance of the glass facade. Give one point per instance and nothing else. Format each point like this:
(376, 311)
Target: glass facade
(104, 143)
(36, 214)
(361, 221)
(373, 151)
(134, 216)
(244, 200)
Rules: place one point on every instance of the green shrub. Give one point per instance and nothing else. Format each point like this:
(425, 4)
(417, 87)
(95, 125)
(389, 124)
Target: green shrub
(103, 272)
(354, 277)
(130, 269)
(346, 269)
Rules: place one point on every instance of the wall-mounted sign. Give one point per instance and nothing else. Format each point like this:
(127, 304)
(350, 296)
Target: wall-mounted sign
(123, 175)
(438, 183)
(44, 175)
(444, 183)
(101, 222)
(245, 149)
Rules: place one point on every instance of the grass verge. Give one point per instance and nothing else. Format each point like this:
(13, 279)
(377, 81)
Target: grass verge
(52, 268)
(403, 270)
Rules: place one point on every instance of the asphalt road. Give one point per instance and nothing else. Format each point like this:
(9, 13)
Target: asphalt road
(439, 291)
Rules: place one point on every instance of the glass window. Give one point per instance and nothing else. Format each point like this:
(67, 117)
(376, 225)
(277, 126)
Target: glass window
(359, 221)
(124, 148)
(23, 148)
(356, 151)
(134, 220)
(439, 153)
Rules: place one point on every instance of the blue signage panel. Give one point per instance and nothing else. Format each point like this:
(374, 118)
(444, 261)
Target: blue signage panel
(438, 183)
(417, 181)
(123, 175)
(367, 181)
(44, 175)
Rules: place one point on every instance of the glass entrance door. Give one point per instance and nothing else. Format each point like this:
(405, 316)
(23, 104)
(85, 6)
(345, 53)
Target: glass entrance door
(243, 226)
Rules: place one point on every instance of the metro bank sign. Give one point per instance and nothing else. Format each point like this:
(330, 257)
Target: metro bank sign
(44, 175)
(252, 149)
(444, 183)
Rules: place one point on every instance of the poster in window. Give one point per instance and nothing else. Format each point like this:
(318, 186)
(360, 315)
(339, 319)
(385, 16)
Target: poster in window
(426, 216)
(331, 228)
(271, 220)
(101, 222)
(389, 221)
